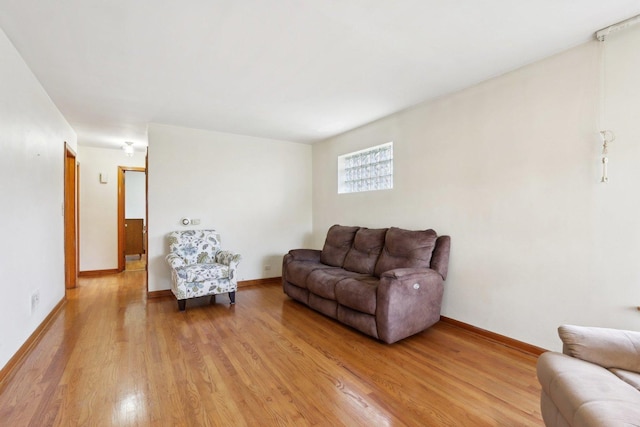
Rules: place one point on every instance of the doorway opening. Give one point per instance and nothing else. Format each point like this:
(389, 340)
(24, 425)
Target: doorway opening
(132, 218)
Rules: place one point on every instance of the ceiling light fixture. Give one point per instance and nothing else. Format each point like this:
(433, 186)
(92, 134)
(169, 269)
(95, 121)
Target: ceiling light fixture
(128, 148)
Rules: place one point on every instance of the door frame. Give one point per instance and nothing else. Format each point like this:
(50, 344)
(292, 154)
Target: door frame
(121, 220)
(70, 213)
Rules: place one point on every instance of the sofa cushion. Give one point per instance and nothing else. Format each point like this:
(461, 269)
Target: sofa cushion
(631, 378)
(365, 251)
(609, 348)
(337, 244)
(406, 249)
(326, 306)
(296, 292)
(298, 271)
(323, 281)
(363, 322)
(358, 293)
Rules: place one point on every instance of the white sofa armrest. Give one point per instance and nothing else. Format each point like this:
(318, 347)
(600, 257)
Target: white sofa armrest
(609, 348)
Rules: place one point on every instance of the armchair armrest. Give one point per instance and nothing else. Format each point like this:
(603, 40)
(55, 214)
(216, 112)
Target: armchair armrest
(175, 261)
(228, 258)
(409, 301)
(305, 255)
(609, 348)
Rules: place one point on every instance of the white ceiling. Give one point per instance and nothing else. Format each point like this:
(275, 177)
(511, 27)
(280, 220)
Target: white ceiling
(284, 69)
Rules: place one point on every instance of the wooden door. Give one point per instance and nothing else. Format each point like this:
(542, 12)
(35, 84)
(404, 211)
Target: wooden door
(70, 220)
(134, 235)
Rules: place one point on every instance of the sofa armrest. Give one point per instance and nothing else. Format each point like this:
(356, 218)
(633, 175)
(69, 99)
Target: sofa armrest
(440, 257)
(609, 348)
(406, 273)
(175, 261)
(305, 255)
(408, 301)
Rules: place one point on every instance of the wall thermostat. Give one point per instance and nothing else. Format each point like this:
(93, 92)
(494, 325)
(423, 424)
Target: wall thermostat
(185, 221)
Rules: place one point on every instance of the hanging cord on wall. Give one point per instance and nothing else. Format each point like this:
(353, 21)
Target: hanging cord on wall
(607, 136)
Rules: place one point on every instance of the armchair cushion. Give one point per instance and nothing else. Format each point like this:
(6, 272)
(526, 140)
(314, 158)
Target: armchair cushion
(202, 272)
(609, 348)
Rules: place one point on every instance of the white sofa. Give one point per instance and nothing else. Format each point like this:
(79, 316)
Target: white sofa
(594, 382)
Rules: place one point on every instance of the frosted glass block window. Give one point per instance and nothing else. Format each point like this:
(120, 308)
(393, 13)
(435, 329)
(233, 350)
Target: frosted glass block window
(366, 170)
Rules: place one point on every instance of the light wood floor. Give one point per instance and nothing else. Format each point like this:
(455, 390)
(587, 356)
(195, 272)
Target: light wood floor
(133, 263)
(112, 358)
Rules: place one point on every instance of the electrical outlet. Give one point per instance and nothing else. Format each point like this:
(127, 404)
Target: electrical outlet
(35, 300)
(195, 221)
(267, 267)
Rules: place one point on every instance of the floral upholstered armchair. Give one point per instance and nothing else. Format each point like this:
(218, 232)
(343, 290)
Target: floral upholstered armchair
(199, 267)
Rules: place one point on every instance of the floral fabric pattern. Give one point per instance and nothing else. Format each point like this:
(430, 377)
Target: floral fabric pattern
(198, 266)
(202, 272)
(194, 246)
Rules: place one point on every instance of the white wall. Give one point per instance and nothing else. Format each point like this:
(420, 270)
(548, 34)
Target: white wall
(32, 137)
(135, 195)
(510, 169)
(256, 192)
(99, 205)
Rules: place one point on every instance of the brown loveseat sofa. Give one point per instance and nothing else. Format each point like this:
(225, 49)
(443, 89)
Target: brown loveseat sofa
(594, 382)
(387, 283)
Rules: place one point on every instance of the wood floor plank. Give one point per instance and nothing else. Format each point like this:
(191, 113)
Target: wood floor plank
(112, 358)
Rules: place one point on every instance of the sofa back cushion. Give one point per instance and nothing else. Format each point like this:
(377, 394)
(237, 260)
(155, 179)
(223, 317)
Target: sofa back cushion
(406, 249)
(337, 244)
(365, 251)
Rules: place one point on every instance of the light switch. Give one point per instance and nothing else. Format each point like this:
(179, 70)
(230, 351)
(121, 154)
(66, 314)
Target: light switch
(104, 178)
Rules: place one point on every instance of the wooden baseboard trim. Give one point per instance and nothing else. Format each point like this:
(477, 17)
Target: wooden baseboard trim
(160, 294)
(267, 281)
(8, 369)
(492, 336)
(96, 273)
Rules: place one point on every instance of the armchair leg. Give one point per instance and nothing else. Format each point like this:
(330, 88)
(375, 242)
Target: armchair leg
(182, 304)
(232, 297)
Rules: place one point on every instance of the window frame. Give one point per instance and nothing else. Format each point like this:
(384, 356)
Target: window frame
(369, 169)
